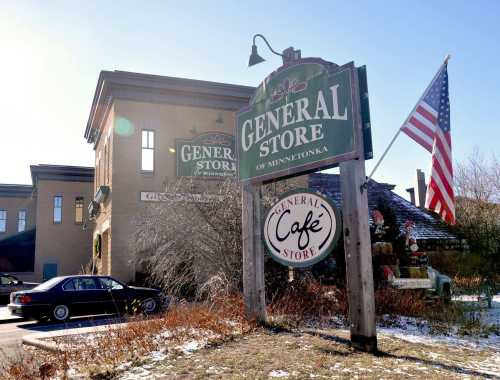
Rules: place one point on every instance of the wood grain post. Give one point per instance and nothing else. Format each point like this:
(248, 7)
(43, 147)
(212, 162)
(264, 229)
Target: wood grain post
(253, 253)
(358, 257)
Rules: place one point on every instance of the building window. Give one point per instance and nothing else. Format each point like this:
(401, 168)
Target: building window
(79, 210)
(3, 220)
(58, 209)
(147, 152)
(105, 164)
(21, 221)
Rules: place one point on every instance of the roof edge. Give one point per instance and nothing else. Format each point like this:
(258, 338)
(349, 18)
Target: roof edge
(131, 86)
(61, 173)
(14, 190)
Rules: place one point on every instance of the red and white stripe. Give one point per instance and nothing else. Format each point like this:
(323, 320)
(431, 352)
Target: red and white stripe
(422, 126)
(440, 196)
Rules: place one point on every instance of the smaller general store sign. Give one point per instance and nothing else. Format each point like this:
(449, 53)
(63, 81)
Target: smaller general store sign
(155, 196)
(304, 116)
(302, 228)
(209, 155)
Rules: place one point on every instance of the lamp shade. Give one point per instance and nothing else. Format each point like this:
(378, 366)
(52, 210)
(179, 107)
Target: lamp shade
(255, 58)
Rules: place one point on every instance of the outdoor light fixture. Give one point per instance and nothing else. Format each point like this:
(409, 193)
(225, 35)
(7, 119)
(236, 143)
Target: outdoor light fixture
(288, 54)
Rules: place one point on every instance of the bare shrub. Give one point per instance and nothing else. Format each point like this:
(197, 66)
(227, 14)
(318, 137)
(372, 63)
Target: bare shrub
(477, 183)
(409, 303)
(215, 288)
(306, 300)
(99, 357)
(192, 236)
(21, 366)
(467, 284)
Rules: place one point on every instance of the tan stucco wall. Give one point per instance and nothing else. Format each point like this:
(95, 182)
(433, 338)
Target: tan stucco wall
(122, 131)
(12, 205)
(169, 123)
(66, 244)
(104, 176)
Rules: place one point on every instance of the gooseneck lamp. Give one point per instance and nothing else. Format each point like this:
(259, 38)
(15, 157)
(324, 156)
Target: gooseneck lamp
(288, 54)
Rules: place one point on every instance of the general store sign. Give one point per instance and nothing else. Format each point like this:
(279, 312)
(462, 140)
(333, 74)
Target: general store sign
(303, 117)
(302, 228)
(209, 155)
(155, 196)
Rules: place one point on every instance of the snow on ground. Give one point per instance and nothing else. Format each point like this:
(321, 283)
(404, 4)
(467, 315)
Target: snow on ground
(408, 329)
(488, 316)
(411, 330)
(191, 346)
(417, 331)
(278, 373)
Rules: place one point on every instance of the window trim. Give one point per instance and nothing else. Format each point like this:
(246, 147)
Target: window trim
(83, 209)
(54, 209)
(6, 218)
(123, 286)
(141, 148)
(25, 219)
(79, 290)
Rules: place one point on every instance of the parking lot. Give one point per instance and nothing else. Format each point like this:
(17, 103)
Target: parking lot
(12, 330)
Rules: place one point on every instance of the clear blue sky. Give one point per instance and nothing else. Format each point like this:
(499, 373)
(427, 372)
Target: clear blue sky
(52, 52)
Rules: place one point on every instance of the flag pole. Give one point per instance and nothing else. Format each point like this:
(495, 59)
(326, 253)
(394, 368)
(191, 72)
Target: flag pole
(446, 59)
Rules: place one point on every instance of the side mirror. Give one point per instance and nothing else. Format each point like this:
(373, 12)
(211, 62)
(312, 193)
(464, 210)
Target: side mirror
(19, 282)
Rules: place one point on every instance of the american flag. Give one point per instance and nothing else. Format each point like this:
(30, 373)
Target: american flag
(429, 125)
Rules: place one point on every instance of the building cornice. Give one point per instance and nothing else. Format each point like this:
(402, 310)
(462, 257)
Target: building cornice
(61, 173)
(125, 85)
(15, 190)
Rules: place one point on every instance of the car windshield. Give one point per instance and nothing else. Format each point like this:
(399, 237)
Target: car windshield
(48, 284)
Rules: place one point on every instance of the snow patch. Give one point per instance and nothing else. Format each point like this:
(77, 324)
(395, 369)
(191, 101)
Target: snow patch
(191, 346)
(278, 373)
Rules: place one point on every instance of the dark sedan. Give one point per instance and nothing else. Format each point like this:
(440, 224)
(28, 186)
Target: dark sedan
(62, 297)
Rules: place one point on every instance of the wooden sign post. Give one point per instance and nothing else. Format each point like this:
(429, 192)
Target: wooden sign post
(358, 256)
(253, 254)
(308, 115)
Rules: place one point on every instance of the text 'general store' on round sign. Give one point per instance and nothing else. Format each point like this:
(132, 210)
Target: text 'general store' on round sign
(302, 228)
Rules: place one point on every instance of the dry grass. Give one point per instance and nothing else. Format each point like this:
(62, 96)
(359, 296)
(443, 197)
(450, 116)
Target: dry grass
(400, 302)
(220, 321)
(467, 284)
(325, 354)
(307, 300)
(101, 354)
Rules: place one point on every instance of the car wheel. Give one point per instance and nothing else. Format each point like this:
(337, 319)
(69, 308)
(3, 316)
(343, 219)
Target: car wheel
(149, 306)
(60, 313)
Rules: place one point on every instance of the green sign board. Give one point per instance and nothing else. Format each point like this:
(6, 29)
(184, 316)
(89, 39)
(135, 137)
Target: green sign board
(303, 117)
(208, 155)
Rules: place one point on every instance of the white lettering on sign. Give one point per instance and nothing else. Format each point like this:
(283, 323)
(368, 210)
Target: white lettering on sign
(301, 229)
(257, 129)
(153, 196)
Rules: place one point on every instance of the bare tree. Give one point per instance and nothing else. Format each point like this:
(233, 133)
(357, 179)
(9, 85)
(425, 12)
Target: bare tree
(192, 236)
(477, 183)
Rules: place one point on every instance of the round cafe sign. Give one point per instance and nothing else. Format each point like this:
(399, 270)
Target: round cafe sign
(302, 228)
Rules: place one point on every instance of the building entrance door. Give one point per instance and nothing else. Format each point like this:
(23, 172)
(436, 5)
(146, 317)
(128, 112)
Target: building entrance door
(49, 271)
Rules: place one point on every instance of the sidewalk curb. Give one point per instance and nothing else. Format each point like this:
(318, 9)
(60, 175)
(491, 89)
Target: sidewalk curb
(38, 339)
(12, 320)
(29, 340)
